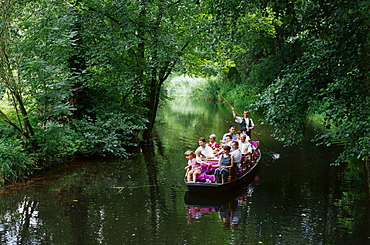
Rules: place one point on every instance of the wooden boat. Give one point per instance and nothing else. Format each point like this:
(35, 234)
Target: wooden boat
(212, 189)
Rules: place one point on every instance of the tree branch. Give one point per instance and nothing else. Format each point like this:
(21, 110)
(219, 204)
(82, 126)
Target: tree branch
(168, 69)
(6, 119)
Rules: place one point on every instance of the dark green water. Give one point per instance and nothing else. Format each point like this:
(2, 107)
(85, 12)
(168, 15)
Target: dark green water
(298, 199)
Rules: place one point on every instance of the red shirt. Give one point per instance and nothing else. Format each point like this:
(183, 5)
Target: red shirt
(214, 146)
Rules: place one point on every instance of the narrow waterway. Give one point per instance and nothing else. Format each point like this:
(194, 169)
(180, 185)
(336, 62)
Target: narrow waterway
(297, 199)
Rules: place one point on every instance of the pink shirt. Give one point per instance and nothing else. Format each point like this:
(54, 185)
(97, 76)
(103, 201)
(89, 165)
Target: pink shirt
(195, 166)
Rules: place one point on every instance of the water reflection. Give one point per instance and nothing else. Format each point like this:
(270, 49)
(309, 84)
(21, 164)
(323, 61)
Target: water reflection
(27, 219)
(227, 207)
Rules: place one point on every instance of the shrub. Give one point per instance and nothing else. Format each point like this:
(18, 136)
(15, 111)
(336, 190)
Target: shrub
(14, 161)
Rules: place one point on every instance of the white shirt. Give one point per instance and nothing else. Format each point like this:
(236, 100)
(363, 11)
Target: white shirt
(245, 147)
(207, 151)
(237, 156)
(247, 121)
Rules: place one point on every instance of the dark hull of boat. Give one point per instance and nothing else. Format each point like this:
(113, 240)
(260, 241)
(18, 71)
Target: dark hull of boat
(217, 190)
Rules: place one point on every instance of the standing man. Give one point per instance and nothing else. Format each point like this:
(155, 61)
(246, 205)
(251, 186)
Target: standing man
(245, 121)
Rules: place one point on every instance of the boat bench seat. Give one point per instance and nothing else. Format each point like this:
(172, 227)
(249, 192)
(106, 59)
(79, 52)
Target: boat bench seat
(204, 176)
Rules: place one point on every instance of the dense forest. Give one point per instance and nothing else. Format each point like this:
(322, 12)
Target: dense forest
(82, 78)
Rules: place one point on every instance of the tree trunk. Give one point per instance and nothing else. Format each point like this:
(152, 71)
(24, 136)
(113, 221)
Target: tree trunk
(152, 106)
(78, 66)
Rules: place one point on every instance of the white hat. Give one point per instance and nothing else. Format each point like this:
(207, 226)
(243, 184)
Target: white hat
(213, 136)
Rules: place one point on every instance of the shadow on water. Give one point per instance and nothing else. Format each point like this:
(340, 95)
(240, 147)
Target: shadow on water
(298, 199)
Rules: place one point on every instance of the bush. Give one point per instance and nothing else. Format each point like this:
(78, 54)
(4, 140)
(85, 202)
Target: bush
(14, 161)
(58, 143)
(108, 134)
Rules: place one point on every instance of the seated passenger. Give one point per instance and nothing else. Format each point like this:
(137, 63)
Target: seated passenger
(213, 144)
(228, 142)
(199, 157)
(238, 135)
(194, 168)
(235, 151)
(224, 164)
(204, 148)
(245, 146)
(231, 132)
(244, 131)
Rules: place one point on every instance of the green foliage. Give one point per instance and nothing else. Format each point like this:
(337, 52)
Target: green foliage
(325, 72)
(133, 47)
(58, 143)
(47, 77)
(46, 45)
(14, 161)
(108, 134)
(347, 113)
(234, 37)
(283, 102)
(300, 58)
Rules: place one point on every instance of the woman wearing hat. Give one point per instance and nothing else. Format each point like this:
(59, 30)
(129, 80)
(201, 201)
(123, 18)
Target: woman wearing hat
(213, 144)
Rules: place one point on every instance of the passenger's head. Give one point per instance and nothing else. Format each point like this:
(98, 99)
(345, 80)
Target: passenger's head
(235, 145)
(202, 141)
(226, 148)
(189, 154)
(232, 129)
(243, 137)
(228, 138)
(212, 138)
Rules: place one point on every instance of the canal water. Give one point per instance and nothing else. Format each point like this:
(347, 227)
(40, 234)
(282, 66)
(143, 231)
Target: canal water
(296, 199)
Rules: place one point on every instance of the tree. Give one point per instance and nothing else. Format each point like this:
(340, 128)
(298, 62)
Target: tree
(37, 41)
(11, 77)
(135, 45)
(328, 76)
